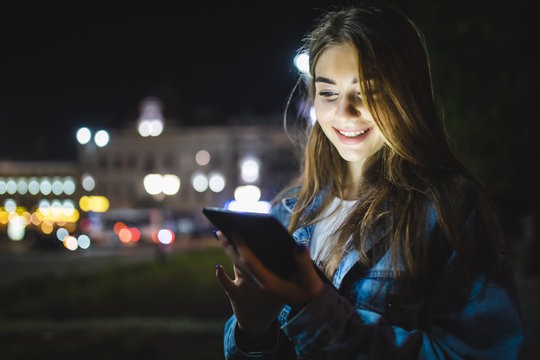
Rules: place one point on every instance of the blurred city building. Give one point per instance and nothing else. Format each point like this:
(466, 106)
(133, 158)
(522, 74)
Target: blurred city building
(148, 182)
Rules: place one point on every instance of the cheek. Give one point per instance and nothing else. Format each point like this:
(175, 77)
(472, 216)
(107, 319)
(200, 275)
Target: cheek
(322, 113)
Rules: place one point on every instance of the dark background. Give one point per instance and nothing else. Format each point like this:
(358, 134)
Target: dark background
(210, 62)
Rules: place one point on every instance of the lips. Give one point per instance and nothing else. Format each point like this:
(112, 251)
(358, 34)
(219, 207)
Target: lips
(352, 137)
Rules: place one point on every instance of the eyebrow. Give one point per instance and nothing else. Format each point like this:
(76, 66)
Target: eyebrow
(330, 81)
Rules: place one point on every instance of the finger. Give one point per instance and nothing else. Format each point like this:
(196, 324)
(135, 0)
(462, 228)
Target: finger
(228, 247)
(225, 280)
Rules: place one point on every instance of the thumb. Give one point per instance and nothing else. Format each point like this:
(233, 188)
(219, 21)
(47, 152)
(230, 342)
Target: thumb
(225, 280)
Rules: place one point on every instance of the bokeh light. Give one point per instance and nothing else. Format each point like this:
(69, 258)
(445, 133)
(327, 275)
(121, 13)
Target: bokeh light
(69, 185)
(10, 205)
(71, 243)
(170, 184)
(199, 181)
(101, 138)
(152, 183)
(83, 135)
(88, 182)
(135, 234)
(202, 157)
(61, 233)
(45, 186)
(216, 182)
(83, 241)
(249, 170)
(33, 186)
(22, 186)
(165, 236)
(3, 186)
(11, 186)
(94, 203)
(247, 193)
(301, 61)
(124, 235)
(118, 226)
(16, 227)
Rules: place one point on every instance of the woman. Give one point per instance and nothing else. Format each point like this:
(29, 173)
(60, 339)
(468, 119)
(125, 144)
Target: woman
(387, 212)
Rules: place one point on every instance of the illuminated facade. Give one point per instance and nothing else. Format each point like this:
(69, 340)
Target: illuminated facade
(38, 197)
(177, 173)
(146, 185)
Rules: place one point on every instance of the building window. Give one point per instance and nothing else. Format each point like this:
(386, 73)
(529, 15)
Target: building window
(132, 161)
(149, 164)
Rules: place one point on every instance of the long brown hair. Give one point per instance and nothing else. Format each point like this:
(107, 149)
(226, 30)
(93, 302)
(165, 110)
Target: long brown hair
(414, 173)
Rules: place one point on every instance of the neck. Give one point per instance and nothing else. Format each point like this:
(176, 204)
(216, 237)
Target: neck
(354, 176)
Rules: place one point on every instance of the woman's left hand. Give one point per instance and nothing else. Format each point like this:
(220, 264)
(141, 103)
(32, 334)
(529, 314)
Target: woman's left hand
(295, 291)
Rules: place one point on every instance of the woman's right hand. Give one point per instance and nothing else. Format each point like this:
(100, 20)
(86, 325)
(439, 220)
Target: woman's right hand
(255, 308)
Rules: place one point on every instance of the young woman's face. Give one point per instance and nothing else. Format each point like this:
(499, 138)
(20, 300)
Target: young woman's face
(340, 109)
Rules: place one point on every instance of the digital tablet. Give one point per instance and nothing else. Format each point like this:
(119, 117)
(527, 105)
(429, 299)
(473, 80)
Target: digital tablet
(262, 233)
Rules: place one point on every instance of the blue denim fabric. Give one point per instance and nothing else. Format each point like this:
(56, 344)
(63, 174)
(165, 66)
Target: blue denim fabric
(456, 318)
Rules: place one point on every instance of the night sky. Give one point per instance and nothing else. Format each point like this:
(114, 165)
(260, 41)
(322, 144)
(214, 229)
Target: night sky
(61, 72)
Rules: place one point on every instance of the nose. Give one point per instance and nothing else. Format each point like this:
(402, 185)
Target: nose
(349, 107)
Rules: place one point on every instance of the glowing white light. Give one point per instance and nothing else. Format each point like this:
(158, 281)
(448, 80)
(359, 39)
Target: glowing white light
(11, 186)
(57, 186)
(84, 135)
(301, 61)
(249, 170)
(56, 207)
(68, 207)
(153, 183)
(312, 115)
(262, 207)
(33, 186)
(83, 241)
(101, 138)
(69, 185)
(15, 228)
(71, 243)
(22, 186)
(247, 193)
(61, 233)
(151, 119)
(45, 207)
(144, 129)
(216, 182)
(3, 187)
(45, 186)
(156, 127)
(88, 182)
(199, 182)
(170, 184)
(165, 236)
(10, 205)
(202, 157)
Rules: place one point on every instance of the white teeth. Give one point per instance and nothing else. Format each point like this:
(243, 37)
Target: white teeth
(353, 133)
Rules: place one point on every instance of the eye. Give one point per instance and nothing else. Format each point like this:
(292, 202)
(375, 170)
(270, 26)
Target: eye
(328, 94)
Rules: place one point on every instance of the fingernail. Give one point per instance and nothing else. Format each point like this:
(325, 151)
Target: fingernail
(215, 234)
(301, 248)
(218, 266)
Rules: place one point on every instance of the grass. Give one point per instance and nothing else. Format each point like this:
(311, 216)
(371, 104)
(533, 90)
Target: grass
(171, 309)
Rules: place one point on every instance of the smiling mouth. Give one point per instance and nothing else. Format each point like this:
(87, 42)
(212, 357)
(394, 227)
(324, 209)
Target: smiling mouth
(351, 134)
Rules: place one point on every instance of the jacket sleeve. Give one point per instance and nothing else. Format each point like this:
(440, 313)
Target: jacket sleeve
(486, 325)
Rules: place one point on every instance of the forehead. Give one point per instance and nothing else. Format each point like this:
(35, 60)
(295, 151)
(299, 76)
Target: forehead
(337, 61)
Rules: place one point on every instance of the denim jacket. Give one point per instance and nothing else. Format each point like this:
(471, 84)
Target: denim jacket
(359, 319)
